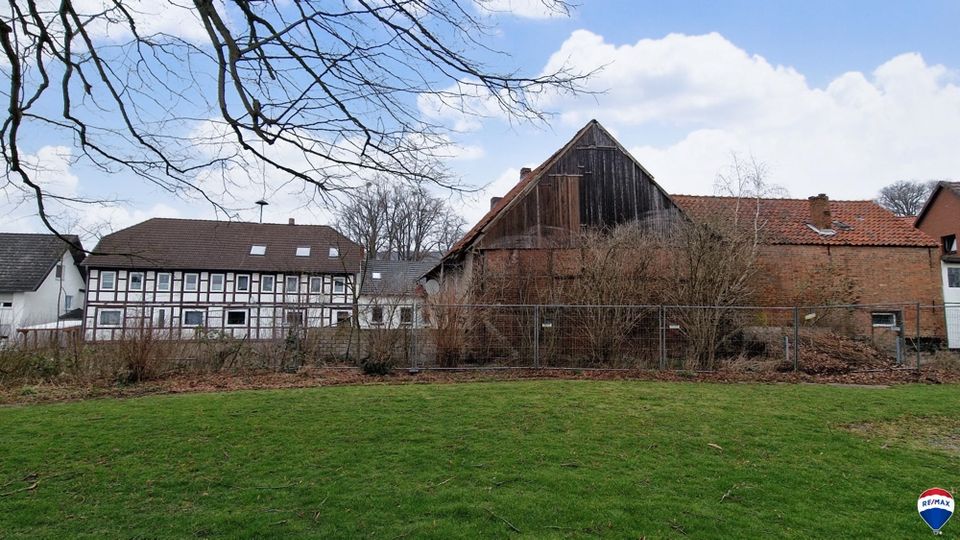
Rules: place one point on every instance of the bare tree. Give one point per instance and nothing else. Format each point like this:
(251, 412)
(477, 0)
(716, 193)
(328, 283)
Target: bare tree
(320, 92)
(399, 221)
(715, 259)
(906, 197)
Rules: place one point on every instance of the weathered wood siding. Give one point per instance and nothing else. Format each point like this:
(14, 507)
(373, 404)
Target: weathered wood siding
(593, 185)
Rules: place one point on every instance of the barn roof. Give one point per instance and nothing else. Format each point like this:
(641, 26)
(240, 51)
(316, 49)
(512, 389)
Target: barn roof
(527, 183)
(26, 259)
(785, 221)
(192, 244)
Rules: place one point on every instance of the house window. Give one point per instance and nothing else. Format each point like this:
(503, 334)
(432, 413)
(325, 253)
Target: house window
(377, 275)
(136, 281)
(293, 283)
(193, 318)
(161, 317)
(243, 283)
(67, 302)
(236, 318)
(108, 281)
(303, 251)
(949, 243)
(953, 277)
(883, 319)
(163, 282)
(258, 250)
(334, 251)
(6, 304)
(316, 285)
(294, 318)
(190, 282)
(266, 284)
(216, 282)
(406, 315)
(60, 271)
(110, 317)
(376, 315)
(339, 285)
(343, 318)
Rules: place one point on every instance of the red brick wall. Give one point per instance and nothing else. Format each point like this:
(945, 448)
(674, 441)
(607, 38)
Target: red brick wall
(873, 275)
(943, 217)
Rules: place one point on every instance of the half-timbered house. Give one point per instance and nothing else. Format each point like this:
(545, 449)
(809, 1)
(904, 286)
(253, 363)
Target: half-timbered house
(182, 278)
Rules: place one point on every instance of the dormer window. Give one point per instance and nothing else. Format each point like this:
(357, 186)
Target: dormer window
(334, 251)
(377, 275)
(258, 250)
(822, 232)
(303, 251)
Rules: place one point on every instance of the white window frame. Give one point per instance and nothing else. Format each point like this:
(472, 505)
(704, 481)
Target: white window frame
(333, 252)
(303, 251)
(258, 250)
(203, 317)
(374, 312)
(237, 283)
(143, 280)
(295, 288)
(406, 310)
(339, 282)
(169, 277)
(223, 282)
(196, 282)
(346, 319)
(883, 313)
(273, 284)
(67, 302)
(226, 317)
(113, 280)
(377, 275)
(315, 280)
(951, 270)
(102, 312)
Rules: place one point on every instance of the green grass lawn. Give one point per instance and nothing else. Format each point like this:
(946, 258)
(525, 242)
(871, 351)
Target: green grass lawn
(538, 459)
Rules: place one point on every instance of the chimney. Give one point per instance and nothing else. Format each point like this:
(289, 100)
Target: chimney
(524, 171)
(290, 221)
(820, 212)
(494, 201)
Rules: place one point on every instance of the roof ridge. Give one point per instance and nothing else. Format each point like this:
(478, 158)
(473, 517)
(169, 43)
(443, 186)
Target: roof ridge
(229, 222)
(767, 198)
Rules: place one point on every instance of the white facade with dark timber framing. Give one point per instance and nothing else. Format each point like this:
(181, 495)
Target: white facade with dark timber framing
(184, 278)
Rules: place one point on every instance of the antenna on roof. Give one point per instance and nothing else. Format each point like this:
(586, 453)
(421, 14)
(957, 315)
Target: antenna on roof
(261, 203)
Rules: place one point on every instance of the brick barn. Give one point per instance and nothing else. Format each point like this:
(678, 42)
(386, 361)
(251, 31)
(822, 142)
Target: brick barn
(815, 251)
(940, 219)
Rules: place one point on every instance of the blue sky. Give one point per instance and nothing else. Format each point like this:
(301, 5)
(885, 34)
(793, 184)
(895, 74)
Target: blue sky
(835, 97)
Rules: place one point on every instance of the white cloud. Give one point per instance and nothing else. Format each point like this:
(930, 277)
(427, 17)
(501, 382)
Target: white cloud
(150, 16)
(848, 139)
(528, 9)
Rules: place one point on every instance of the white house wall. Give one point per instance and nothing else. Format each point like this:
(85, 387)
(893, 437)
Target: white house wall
(268, 314)
(46, 304)
(392, 307)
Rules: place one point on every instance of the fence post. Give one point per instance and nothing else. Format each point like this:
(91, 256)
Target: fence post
(916, 339)
(413, 331)
(796, 338)
(536, 336)
(662, 337)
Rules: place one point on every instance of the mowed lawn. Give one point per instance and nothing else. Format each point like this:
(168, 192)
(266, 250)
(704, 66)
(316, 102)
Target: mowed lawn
(487, 460)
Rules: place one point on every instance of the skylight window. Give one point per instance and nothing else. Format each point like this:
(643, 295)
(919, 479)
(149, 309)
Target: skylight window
(334, 251)
(303, 251)
(377, 275)
(258, 250)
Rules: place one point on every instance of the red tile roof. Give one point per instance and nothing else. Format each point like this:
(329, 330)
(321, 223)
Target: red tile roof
(857, 223)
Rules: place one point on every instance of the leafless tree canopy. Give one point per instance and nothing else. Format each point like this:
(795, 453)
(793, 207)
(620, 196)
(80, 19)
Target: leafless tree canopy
(905, 198)
(333, 83)
(399, 221)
